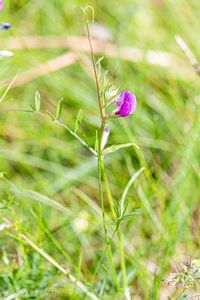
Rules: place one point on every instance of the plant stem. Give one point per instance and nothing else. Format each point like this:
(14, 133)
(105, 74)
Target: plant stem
(74, 134)
(66, 272)
(100, 179)
(95, 74)
(122, 258)
(102, 174)
(119, 233)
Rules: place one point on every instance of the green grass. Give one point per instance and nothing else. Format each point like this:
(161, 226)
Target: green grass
(51, 191)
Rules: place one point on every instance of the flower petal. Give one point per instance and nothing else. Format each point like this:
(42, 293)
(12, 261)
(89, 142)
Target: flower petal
(1, 5)
(126, 104)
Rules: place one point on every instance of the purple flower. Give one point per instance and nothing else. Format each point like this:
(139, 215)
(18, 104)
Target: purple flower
(1, 5)
(126, 103)
(5, 26)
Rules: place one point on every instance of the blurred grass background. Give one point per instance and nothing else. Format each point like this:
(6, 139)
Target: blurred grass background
(37, 155)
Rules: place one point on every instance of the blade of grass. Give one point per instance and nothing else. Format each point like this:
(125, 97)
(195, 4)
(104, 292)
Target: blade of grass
(66, 272)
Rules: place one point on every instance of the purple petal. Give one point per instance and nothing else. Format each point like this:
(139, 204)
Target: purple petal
(126, 104)
(1, 5)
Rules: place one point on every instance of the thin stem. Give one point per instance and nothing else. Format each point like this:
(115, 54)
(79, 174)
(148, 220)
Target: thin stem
(188, 53)
(100, 159)
(100, 179)
(56, 122)
(122, 258)
(76, 136)
(119, 233)
(95, 74)
(108, 193)
(8, 88)
(17, 110)
(66, 272)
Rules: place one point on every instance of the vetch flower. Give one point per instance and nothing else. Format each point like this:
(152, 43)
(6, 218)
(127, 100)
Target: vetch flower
(1, 5)
(5, 26)
(126, 103)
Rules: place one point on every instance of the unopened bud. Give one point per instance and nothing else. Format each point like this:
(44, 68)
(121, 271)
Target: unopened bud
(105, 136)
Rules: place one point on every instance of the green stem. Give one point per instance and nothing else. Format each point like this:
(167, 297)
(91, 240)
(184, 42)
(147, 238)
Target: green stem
(108, 193)
(122, 258)
(95, 75)
(119, 233)
(101, 169)
(100, 178)
(56, 122)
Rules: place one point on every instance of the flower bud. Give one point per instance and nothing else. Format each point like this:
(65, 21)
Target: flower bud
(105, 136)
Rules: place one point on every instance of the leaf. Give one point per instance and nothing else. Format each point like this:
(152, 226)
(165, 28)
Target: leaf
(50, 115)
(117, 211)
(32, 106)
(114, 148)
(86, 140)
(137, 211)
(37, 101)
(126, 217)
(99, 69)
(123, 204)
(99, 60)
(78, 120)
(59, 109)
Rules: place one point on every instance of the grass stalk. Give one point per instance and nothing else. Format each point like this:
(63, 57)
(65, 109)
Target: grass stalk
(119, 233)
(66, 272)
